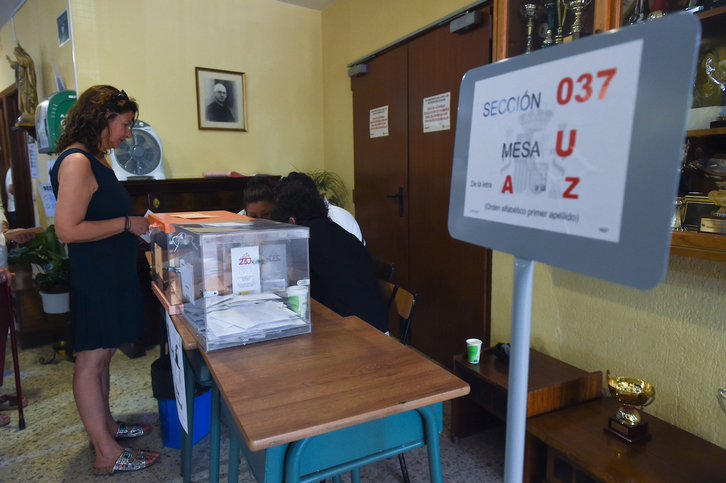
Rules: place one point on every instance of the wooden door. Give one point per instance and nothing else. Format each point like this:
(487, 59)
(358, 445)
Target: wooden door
(16, 151)
(381, 163)
(452, 278)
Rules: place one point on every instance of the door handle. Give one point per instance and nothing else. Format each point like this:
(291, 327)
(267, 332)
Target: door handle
(398, 195)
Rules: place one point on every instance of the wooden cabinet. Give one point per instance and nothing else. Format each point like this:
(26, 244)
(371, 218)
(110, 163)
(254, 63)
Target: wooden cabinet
(509, 39)
(579, 451)
(188, 194)
(510, 34)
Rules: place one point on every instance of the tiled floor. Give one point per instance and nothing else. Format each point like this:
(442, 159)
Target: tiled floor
(54, 447)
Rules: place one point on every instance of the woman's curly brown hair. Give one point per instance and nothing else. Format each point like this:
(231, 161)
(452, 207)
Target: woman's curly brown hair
(87, 119)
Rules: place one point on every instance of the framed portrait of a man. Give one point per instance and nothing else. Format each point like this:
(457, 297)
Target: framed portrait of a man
(64, 34)
(221, 100)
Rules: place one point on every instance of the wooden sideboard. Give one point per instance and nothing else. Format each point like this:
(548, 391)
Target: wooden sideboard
(169, 196)
(187, 194)
(579, 451)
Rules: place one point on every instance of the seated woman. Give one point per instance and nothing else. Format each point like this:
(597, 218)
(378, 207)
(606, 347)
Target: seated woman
(258, 198)
(341, 270)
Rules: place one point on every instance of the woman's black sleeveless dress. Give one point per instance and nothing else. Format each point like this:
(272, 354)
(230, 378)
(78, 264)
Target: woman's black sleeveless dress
(106, 305)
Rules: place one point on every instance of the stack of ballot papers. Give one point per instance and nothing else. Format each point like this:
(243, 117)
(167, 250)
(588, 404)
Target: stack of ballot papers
(240, 318)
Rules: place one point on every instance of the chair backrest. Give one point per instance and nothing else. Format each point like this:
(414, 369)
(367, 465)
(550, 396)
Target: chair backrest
(383, 269)
(405, 303)
(388, 290)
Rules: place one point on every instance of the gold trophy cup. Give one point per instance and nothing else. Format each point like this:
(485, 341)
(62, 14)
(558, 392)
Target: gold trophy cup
(627, 423)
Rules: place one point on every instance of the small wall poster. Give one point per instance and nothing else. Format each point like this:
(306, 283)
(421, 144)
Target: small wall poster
(379, 122)
(437, 113)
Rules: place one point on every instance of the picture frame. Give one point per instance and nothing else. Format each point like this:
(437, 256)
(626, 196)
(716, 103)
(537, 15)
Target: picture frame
(64, 34)
(221, 100)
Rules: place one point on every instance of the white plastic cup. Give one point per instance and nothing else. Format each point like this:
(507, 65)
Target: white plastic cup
(473, 348)
(297, 299)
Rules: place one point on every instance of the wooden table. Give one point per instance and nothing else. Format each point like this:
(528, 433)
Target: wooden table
(579, 450)
(552, 385)
(345, 387)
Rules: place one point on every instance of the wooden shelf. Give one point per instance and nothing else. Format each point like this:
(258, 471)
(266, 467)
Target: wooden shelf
(700, 133)
(705, 246)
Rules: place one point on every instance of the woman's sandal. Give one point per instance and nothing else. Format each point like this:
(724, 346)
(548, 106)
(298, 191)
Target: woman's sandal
(133, 430)
(8, 402)
(127, 462)
(4, 420)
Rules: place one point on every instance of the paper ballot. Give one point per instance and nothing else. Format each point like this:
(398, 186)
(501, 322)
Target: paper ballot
(243, 316)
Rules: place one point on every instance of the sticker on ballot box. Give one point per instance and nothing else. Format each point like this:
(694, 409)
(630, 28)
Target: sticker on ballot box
(245, 270)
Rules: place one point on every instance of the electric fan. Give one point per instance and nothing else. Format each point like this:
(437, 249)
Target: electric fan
(140, 156)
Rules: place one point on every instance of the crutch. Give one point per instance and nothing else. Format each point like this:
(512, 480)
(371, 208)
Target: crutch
(7, 306)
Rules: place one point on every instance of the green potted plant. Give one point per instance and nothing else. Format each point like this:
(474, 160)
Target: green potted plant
(331, 186)
(53, 271)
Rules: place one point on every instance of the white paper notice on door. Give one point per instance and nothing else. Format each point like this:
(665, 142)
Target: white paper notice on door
(378, 121)
(245, 270)
(437, 113)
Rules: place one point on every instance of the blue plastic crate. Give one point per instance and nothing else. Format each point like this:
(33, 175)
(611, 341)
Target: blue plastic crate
(170, 426)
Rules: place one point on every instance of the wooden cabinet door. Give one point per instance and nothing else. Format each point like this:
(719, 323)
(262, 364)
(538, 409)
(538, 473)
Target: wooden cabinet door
(451, 277)
(381, 163)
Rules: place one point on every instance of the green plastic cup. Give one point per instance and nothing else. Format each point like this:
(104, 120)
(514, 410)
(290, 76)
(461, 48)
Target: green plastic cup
(473, 347)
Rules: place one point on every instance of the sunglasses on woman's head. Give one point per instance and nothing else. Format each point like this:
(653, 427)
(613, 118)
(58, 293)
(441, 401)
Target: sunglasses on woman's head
(117, 102)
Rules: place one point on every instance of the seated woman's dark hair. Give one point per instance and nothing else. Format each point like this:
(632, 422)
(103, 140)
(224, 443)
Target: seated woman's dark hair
(298, 177)
(298, 200)
(87, 118)
(259, 189)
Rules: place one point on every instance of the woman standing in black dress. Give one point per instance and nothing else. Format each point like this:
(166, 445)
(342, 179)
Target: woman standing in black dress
(93, 217)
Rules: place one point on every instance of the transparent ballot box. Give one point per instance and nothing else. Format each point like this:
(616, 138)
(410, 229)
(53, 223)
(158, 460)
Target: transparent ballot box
(243, 282)
(164, 264)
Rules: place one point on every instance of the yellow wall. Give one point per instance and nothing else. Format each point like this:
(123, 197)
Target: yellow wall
(150, 50)
(353, 29)
(35, 29)
(673, 336)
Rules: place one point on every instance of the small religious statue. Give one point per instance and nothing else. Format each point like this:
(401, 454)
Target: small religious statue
(26, 82)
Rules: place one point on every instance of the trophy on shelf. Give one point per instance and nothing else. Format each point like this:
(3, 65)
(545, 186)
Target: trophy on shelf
(627, 423)
(561, 15)
(577, 7)
(531, 11)
(677, 222)
(551, 6)
(716, 167)
(722, 399)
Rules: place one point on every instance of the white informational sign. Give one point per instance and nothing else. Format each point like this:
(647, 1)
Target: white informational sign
(177, 371)
(245, 270)
(437, 113)
(33, 159)
(187, 280)
(47, 198)
(557, 168)
(378, 120)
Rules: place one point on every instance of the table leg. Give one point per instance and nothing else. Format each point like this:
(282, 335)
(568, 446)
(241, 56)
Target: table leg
(355, 476)
(233, 474)
(214, 436)
(431, 436)
(186, 438)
